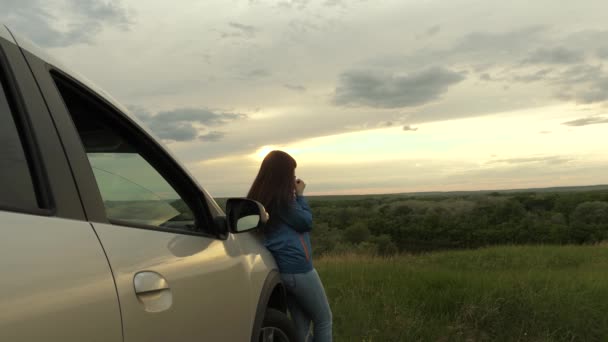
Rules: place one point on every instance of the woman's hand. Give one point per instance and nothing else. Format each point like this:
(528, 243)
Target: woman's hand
(265, 217)
(300, 185)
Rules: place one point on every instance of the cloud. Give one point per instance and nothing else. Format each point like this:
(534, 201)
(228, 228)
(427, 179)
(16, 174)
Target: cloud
(429, 32)
(63, 23)
(552, 160)
(506, 44)
(564, 67)
(256, 73)
(245, 28)
(295, 87)
(383, 90)
(333, 3)
(485, 77)
(433, 30)
(483, 52)
(539, 75)
(298, 4)
(588, 40)
(240, 31)
(410, 128)
(595, 91)
(557, 55)
(583, 83)
(591, 120)
(212, 136)
(185, 124)
(602, 52)
(479, 50)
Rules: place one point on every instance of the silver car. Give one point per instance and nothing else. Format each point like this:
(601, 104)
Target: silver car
(104, 236)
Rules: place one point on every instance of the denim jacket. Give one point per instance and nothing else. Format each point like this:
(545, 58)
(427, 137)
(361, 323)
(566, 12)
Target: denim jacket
(289, 238)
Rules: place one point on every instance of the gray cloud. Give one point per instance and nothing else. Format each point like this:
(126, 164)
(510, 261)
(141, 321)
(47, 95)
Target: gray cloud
(583, 84)
(383, 90)
(185, 124)
(300, 27)
(240, 31)
(581, 73)
(485, 77)
(429, 32)
(573, 77)
(479, 50)
(591, 120)
(596, 91)
(587, 40)
(212, 136)
(243, 27)
(580, 83)
(410, 128)
(82, 20)
(295, 87)
(333, 3)
(533, 77)
(565, 70)
(506, 44)
(602, 52)
(256, 73)
(556, 55)
(297, 4)
(552, 160)
(433, 30)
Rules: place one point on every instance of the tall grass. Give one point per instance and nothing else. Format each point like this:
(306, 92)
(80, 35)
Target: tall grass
(495, 294)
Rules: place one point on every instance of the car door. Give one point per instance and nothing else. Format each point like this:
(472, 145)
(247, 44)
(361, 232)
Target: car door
(179, 275)
(56, 284)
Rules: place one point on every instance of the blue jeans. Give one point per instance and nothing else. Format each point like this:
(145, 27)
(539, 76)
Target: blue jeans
(308, 304)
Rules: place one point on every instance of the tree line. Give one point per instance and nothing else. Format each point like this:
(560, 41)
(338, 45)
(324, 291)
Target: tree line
(399, 223)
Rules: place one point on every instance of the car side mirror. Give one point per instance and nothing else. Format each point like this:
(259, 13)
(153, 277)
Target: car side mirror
(244, 215)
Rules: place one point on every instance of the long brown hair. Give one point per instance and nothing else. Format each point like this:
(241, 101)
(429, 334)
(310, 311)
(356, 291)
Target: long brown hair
(274, 186)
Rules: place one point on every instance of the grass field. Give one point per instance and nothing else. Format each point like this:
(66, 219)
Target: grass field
(494, 294)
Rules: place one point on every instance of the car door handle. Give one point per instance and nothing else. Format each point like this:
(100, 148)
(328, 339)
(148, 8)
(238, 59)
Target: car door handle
(153, 291)
(146, 282)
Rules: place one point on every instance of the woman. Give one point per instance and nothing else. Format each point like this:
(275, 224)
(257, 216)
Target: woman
(287, 238)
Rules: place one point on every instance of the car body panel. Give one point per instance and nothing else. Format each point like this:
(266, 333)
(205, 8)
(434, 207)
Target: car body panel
(206, 277)
(56, 283)
(260, 264)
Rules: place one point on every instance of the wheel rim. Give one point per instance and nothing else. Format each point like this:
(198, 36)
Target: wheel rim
(273, 334)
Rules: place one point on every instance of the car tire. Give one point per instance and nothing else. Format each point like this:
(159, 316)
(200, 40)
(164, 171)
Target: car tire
(277, 327)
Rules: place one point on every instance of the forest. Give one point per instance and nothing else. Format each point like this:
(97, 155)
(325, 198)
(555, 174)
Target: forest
(390, 224)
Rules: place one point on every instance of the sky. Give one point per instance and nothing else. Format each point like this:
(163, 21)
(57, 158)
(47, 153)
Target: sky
(381, 96)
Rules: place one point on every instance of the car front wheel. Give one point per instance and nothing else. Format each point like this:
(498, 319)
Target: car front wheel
(277, 327)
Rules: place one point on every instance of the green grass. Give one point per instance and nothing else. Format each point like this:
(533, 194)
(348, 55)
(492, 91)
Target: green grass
(493, 294)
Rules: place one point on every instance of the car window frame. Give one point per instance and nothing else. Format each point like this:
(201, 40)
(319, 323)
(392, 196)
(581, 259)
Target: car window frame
(152, 153)
(155, 154)
(15, 101)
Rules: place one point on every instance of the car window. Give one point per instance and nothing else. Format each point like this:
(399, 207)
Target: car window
(18, 191)
(133, 189)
